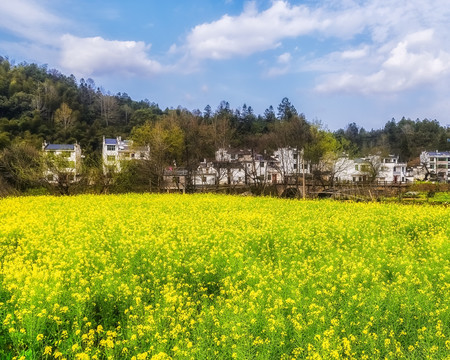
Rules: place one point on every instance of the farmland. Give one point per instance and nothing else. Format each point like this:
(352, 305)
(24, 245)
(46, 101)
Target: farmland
(207, 276)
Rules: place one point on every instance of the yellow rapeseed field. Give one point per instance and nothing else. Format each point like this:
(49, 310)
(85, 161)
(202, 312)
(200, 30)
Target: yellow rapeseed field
(221, 277)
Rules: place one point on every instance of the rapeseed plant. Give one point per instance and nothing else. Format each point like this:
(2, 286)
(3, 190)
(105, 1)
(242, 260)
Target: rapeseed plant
(206, 276)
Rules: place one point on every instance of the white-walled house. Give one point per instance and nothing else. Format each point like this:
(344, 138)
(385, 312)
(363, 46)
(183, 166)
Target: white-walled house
(114, 151)
(175, 179)
(205, 175)
(178, 178)
(392, 170)
(67, 161)
(230, 173)
(385, 169)
(436, 163)
(291, 163)
(266, 169)
(245, 167)
(352, 170)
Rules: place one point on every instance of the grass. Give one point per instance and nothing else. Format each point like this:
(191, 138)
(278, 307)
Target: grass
(204, 276)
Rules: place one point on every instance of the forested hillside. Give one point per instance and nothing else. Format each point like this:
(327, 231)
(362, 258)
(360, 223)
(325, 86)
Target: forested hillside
(38, 104)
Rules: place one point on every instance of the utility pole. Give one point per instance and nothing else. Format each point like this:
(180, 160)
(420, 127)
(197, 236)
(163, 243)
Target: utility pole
(303, 172)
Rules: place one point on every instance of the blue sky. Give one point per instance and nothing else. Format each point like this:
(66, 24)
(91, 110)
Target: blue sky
(338, 61)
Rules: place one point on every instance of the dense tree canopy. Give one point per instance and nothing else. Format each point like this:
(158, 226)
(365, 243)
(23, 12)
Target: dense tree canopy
(38, 104)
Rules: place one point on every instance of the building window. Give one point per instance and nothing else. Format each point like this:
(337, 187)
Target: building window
(261, 164)
(269, 177)
(295, 156)
(110, 158)
(132, 155)
(295, 166)
(142, 155)
(356, 167)
(65, 154)
(111, 147)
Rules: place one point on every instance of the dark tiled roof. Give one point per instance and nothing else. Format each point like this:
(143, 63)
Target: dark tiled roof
(175, 172)
(239, 151)
(439, 153)
(56, 147)
(111, 141)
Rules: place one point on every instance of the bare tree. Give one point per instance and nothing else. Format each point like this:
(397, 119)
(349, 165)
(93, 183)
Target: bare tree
(65, 116)
(372, 167)
(109, 108)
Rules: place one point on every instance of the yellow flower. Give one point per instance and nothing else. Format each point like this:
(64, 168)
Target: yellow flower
(142, 356)
(39, 337)
(82, 356)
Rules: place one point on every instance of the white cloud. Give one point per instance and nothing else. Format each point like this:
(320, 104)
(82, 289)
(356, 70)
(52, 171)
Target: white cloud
(282, 67)
(41, 34)
(376, 46)
(285, 58)
(412, 62)
(255, 31)
(250, 32)
(97, 56)
(26, 19)
(354, 54)
(387, 46)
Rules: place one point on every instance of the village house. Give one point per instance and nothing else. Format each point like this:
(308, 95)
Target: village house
(175, 179)
(245, 167)
(206, 175)
(292, 165)
(114, 151)
(371, 168)
(393, 171)
(180, 179)
(266, 169)
(437, 164)
(65, 160)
